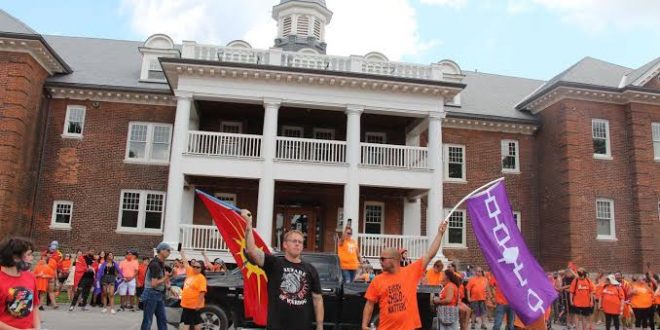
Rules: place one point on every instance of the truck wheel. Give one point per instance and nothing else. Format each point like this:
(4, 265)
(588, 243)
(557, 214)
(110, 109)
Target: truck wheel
(214, 318)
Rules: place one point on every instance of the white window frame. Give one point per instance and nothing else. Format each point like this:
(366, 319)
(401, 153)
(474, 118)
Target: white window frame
(608, 146)
(516, 214)
(323, 130)
(504, 145)
(293, 128)
(226, 197)
(142, 210)
(65, 131)
(445, 153)
(149, 144)
(655, 137)
(382, 214)
(57, 225)
(445, 238)
(226, 123)
(612, 235)
(381, 135)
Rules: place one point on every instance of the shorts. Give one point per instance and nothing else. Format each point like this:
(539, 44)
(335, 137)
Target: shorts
(584, 311)
(108, 279)
(63, 279)
(127, 288)
(191, 317)
(478, 307)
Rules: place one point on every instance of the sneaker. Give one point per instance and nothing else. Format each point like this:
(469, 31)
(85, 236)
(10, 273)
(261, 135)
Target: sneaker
(86, 308)
(483, 327)
(72, 308)
(112, 311)
(105, 310)
(41, 308)
(121, 309)
(473, 326)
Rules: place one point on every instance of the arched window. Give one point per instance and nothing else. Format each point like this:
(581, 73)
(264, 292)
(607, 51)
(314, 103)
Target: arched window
(303, 26)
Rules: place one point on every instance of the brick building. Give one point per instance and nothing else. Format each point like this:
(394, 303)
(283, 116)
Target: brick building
(105, 141)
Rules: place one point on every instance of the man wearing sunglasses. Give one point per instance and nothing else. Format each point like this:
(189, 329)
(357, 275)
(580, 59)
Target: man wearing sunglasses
(395, 290)
(294, 287)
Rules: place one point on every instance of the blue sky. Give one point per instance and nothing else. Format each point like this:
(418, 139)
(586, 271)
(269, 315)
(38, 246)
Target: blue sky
(527, 38)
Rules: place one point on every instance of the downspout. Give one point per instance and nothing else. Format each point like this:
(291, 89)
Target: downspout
(45, 108)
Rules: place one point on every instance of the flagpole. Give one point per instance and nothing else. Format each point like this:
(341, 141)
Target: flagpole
(474, 192)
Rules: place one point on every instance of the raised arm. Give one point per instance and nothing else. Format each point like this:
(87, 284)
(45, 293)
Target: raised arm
(207, 263)
(184, 259)
(254, 254)
(435, 245)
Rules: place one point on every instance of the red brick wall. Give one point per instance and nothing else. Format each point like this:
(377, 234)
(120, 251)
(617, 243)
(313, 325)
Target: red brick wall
(21, 124)
(91, 173)
(483, 164)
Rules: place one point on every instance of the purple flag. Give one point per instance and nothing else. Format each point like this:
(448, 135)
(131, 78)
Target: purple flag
(518, 274)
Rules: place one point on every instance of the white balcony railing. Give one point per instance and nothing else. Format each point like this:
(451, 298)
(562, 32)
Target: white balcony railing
(372, 244)
(224, 144)
(311, 150)
(199, 237)
(354, 63)
(386, 155)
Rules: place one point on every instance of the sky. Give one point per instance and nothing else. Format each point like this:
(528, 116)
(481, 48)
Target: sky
(526, 38)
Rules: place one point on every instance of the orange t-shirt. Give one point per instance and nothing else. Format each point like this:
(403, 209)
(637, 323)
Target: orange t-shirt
(65, 266)
(142, 272)
(194, 285)
(582, 289)
(500, 299)
(599, 290)
(642, 296)
(129, 268)
(443, 294)
(477, 287)
(348, 258)
(44, 274)
(434, 278)
(396, 295)
(612, 297)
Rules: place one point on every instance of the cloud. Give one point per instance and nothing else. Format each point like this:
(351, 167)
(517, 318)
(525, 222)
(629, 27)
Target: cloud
(357, 26)
(595, 16)
(449, 3)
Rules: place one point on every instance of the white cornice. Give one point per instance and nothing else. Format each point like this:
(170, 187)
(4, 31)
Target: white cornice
(36, 49)
(489, 125)
(173, 70)
(112, 96)
(586, 94)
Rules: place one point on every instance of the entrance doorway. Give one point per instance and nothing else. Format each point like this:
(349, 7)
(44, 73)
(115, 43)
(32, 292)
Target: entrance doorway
(304, 219)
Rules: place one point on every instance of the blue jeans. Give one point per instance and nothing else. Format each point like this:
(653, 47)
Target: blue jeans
(348, 275)
(500, 310)
(154, 303)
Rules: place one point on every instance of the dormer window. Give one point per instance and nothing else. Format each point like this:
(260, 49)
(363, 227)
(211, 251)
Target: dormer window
(156, 46)
(155, 70)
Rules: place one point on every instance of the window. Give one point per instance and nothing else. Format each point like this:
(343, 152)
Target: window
(605, 219)
(510, 156)
(292, 131)
(516, 217)
(74, 121)
(61, 217)
(303, 25)
(455, 229)
(600, 131)
(235, 127)
(141, 211)
(149, 142)
(373, 217)
(155, 70)
(324, 133)
(375, 137)
(226, 197)
(656, 141)
(454, 156)
(286, 26)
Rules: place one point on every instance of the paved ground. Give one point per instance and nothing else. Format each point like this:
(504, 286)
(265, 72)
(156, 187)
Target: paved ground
(93, 319)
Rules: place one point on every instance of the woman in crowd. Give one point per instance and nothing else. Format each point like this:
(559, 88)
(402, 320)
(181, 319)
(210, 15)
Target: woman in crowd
(44, 275)
(612, 301)
(63, 270)
(193, 293)
(349, 255)
(641, 300)
(18, 287)
(107, 277)
(448, 318)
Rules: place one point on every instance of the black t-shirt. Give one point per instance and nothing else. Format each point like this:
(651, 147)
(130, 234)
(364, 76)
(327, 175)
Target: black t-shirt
(290, 287)
(156, 270)
(89, 274)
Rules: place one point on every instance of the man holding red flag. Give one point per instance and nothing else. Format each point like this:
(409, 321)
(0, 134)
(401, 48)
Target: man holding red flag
(294, 287)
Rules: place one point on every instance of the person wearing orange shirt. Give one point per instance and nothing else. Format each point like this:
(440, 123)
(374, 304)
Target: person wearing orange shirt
(449, 296)
(193, 293)
(142, 273)
(349, 255)
(582, 298)
(395, 289)
(641, 300)
(612, 301)
(63, 270)
(502, 308)
(598, 316)
(435, 275)
(476, 292)
(45, 275)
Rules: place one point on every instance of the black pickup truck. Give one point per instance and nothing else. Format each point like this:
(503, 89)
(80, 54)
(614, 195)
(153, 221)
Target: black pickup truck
(343, 303)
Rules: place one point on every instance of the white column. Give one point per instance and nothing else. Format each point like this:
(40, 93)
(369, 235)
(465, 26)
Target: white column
(434, 211)
(412, 216)
(175, 182)
(188, 205)
(353, 152)
(267, 182)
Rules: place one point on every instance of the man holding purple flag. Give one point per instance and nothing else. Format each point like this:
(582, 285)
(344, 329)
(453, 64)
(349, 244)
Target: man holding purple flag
(518, 274)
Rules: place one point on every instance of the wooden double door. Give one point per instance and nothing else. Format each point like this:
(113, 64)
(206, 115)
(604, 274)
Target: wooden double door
(304, 219)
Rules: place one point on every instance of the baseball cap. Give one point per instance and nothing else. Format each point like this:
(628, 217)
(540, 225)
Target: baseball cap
(163, 246)
(613, 279)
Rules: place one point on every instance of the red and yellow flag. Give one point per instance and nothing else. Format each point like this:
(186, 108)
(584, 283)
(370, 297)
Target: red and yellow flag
(231, 225)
